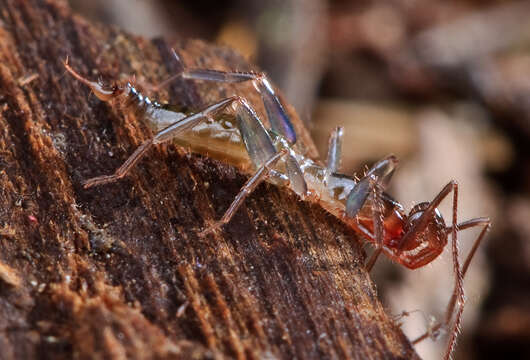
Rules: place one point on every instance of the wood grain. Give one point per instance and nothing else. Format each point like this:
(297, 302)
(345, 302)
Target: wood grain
(120, 271)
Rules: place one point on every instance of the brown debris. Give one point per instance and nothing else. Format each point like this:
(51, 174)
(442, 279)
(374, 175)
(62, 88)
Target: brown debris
(9, 277)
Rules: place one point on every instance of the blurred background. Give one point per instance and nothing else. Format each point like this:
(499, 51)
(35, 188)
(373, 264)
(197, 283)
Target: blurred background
(443, 84)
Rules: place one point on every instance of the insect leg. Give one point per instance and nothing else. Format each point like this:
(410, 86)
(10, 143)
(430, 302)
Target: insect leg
(377, 217)
(469, 224)
(123, 169)
(251, 184)
(279, 120)
(373, 183)
(379, 174)
(334, 149)
(164, 135)
(260, 147)
(188, 122)
(264, 155)
(458, 293)
(485, 222)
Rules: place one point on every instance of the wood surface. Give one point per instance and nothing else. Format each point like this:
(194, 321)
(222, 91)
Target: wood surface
(120, 271)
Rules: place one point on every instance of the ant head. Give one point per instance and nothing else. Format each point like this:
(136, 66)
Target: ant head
(424, 245)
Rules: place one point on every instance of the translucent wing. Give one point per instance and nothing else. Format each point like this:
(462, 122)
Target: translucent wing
(280, 121)
(256, 138)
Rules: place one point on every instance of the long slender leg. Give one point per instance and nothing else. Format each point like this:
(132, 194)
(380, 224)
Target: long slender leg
(470, 224)
(264, 155)
(485, 222)
(122, 170)
(188, 122)
(458, 292)
(334, 149)
(378, 225)
(455, 307)
(251, 184)
(372, 183)
(164, 135)
(459, 280)
(279, 120)
(257, 140)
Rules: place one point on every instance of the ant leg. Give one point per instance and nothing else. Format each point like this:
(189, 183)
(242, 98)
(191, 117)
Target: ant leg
(469, 224)
(372, 183)
(164, 135)
(378, 225)
(251, 184)
(458, 292)
(485, 222)
(334, 149)
(278, 118)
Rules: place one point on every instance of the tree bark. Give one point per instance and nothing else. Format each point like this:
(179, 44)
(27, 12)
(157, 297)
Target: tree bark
(120, 271)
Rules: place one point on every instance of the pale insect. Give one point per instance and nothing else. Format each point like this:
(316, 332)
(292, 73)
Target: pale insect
(412, 240)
